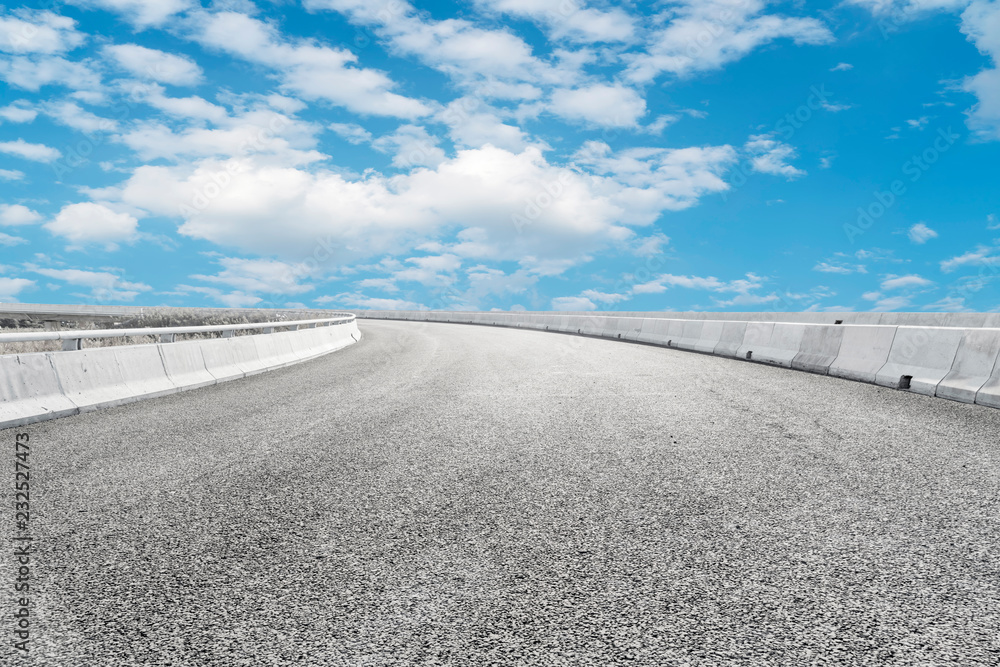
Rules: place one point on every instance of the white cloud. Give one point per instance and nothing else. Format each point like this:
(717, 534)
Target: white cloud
(568, 20)
(312, 71)
(155, 65)
(981, 256)
(601, 104)
(351, 132)
(11, 175)
(490, 60)
(657, 179)
(17, 214)
(262, 132)
(523, 205)
(411, 146)
(260, 275)
(705, 35)
(572, 303)
(770, 156)
(842, 67)
(34, 152)
(104, 286)
(141, 13)
(473, 124)
(384, 284)
(11, 287)
(892, 282)
(918, 123)
(8, 240)
(234, 299)
(31, 73)
(845, 269)
(38, 32)
(981, 24)
(891, 303)
(991, 222)
(93, 223)
(368, 303)
(921, 233)
(17, 114)
(604, 297)
(72, 115)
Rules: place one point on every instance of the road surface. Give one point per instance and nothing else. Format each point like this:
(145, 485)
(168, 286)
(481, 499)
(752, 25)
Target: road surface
(455, 495)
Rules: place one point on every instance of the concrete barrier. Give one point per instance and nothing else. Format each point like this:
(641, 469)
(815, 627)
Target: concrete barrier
(819, 348)
(653, 331)
(142, 368)
(989, 394)
(864, 350)
(30, 391)
(974, 364)
(92, 378)
(690, 335)
(222, 359)
(730, 339)
(920, 356)
(185, 364)
(782, 344)
(709, 337)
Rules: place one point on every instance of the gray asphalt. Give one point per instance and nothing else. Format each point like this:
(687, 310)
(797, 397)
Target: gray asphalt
(454, 495)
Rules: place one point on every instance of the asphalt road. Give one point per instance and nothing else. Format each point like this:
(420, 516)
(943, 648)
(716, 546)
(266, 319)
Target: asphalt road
(453, 495)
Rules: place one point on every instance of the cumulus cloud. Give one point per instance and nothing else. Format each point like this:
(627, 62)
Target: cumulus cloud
(351, 132)
(17, 214)
(569, 20)
(522, 205)
(103, 285)
(39, 32)
(155, 65)
(88, 222)
(600, 104)
(769, 156)
(573, 303)
(17, 114)
(34, 152)
(11, 287)
(981, 256)
(141, 13)
(921, 233)
(892, 282)
(310, 70)
(260, 275)
(705, 35)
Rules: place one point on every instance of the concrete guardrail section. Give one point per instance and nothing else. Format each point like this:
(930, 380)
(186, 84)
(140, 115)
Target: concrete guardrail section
(46, 385)
(949, 355)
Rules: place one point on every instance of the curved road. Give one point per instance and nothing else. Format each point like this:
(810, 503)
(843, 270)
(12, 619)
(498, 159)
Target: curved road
(452, 495)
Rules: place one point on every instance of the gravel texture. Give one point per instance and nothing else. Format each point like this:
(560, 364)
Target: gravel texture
(454, 495)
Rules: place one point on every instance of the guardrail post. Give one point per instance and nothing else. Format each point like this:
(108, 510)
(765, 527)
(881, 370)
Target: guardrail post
(73, 344)
(167, 338)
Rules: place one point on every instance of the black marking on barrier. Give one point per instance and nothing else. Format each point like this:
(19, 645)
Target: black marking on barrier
(904, 381)
(749, 354)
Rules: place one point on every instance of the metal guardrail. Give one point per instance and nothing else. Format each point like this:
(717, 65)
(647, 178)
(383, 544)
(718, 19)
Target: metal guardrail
(73, 340)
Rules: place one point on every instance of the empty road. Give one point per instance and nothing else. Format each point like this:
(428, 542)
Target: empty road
(454, 495)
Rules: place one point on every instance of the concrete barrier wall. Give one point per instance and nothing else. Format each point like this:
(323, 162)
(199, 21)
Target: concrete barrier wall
(958, 360)
(46, 385)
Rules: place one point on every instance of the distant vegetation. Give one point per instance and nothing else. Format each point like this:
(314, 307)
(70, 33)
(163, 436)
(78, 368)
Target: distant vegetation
(150, 318)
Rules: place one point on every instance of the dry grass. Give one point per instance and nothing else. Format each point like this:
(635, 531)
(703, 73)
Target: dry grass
(151, 318)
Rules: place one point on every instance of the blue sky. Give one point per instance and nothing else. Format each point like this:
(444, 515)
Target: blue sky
(542, 154)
